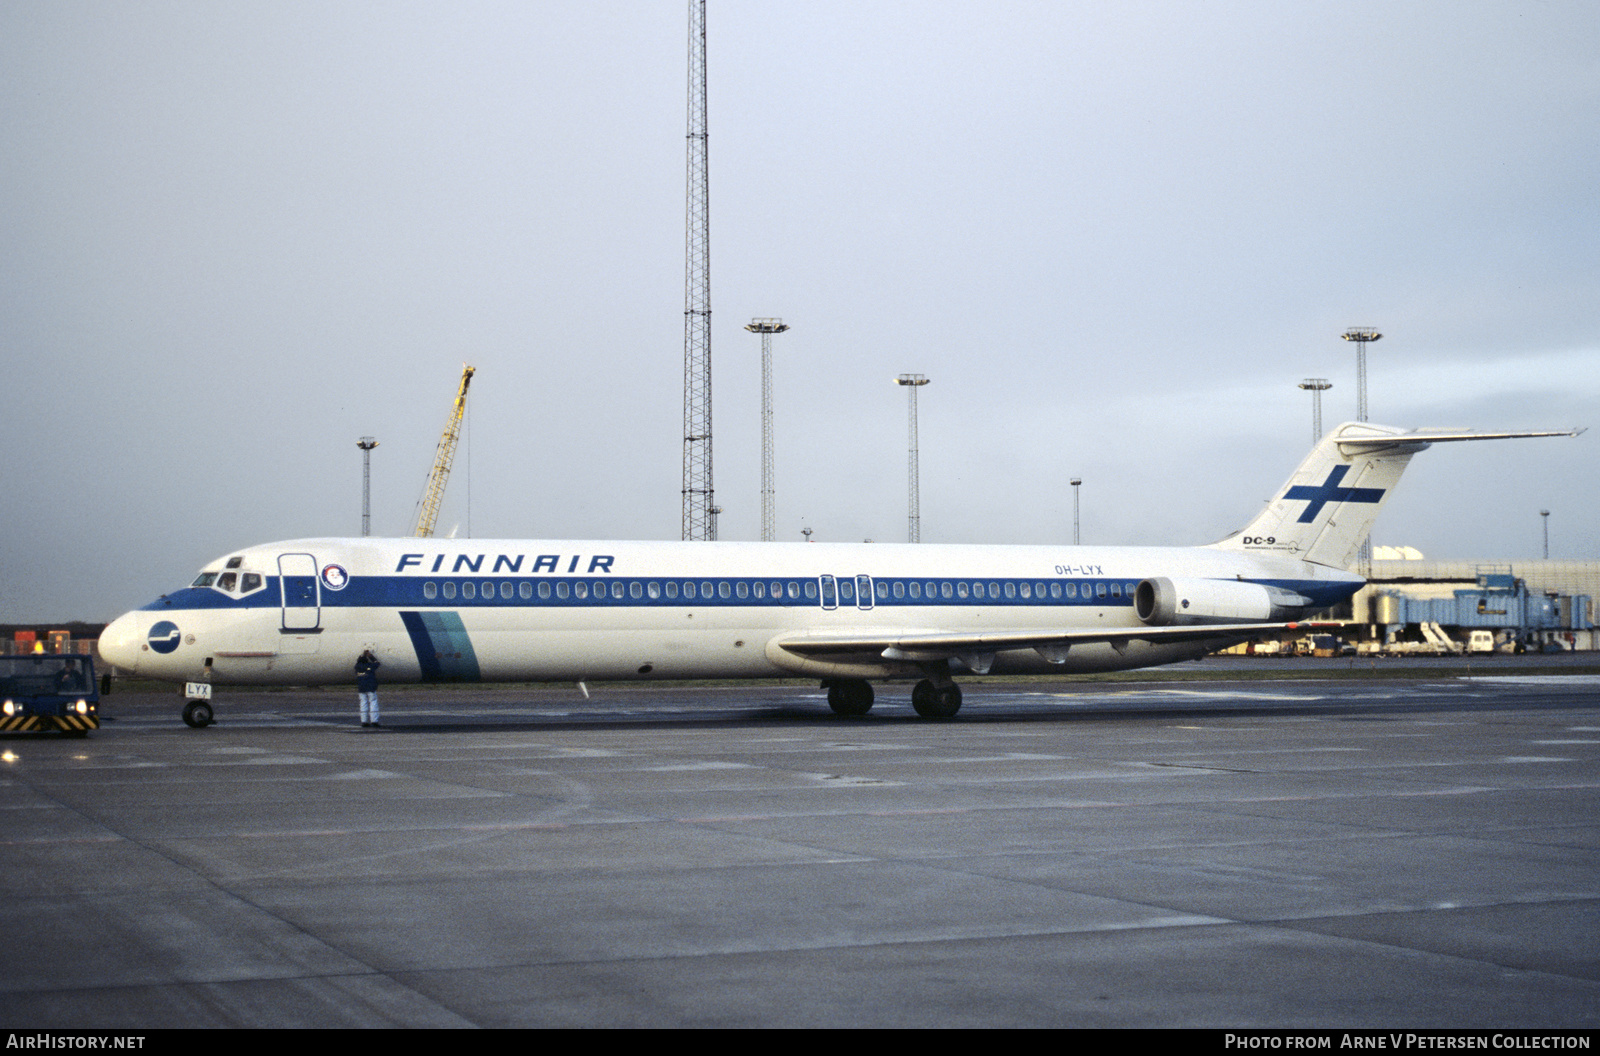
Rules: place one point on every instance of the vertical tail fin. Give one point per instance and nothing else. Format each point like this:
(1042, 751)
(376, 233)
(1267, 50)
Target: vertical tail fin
(1327, 507)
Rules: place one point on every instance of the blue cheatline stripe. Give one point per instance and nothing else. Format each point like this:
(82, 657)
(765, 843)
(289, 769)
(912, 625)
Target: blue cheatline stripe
(395, 592)
(444, 651)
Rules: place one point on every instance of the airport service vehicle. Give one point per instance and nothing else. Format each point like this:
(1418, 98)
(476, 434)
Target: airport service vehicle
(471, 610)
(49, 691)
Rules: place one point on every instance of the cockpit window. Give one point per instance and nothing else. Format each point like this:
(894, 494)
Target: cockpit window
(233, 582)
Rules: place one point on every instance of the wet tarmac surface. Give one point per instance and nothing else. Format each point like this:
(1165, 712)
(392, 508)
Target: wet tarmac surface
(1398, 852)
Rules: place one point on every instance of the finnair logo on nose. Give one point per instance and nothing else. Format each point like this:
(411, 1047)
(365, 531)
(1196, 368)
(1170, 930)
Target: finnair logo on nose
(164, 636)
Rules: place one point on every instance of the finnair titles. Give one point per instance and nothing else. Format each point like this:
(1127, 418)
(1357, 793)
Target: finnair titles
(300, 612)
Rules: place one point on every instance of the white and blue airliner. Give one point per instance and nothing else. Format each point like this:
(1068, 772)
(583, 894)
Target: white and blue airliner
(484, 610)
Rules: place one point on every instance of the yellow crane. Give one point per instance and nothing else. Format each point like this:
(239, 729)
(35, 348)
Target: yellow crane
(428, 510)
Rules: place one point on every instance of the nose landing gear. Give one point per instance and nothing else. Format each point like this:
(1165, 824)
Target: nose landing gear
(197, 712)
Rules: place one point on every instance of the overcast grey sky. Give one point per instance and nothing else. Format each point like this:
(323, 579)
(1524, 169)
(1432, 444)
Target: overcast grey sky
(1115, 236)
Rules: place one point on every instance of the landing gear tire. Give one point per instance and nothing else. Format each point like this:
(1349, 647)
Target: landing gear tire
(936, 702)
(197, 713)
(851, 697)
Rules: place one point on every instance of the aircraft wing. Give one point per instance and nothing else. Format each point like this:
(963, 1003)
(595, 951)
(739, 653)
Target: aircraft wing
(977, 649)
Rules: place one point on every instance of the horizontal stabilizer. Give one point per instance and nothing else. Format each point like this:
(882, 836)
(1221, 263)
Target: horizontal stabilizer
(1419, 439)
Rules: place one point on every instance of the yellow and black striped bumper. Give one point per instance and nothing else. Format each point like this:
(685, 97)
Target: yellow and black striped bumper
(64, 723)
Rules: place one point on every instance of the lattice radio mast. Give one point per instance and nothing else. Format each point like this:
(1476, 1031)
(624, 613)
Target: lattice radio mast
(698, 521)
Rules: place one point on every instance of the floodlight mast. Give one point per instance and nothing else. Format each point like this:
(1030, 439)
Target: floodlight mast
(366, 444)
(1362, 336)
(1316, 386)
(1077, 539)
(913, 382)
(766, 328)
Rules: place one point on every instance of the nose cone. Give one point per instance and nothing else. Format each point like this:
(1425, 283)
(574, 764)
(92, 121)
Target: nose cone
(120, 642)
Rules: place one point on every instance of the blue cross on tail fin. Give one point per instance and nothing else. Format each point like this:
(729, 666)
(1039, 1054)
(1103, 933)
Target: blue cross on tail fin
(1336, 517)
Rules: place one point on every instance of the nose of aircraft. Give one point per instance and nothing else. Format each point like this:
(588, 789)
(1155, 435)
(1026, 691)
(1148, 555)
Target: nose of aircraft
(120, 641)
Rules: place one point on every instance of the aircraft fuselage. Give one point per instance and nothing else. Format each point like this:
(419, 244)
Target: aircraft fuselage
(495, 610)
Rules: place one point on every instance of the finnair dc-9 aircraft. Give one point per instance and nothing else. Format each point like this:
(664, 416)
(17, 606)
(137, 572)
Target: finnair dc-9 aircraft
(481, 610)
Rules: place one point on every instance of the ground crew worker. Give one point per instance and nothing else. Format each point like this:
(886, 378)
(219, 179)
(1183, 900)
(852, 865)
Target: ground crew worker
(367, 687)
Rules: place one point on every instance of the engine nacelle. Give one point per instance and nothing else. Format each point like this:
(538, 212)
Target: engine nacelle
(1161, 601)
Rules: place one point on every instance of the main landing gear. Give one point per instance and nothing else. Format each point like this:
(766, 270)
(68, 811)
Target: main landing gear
(849, 696)
(933, 699)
